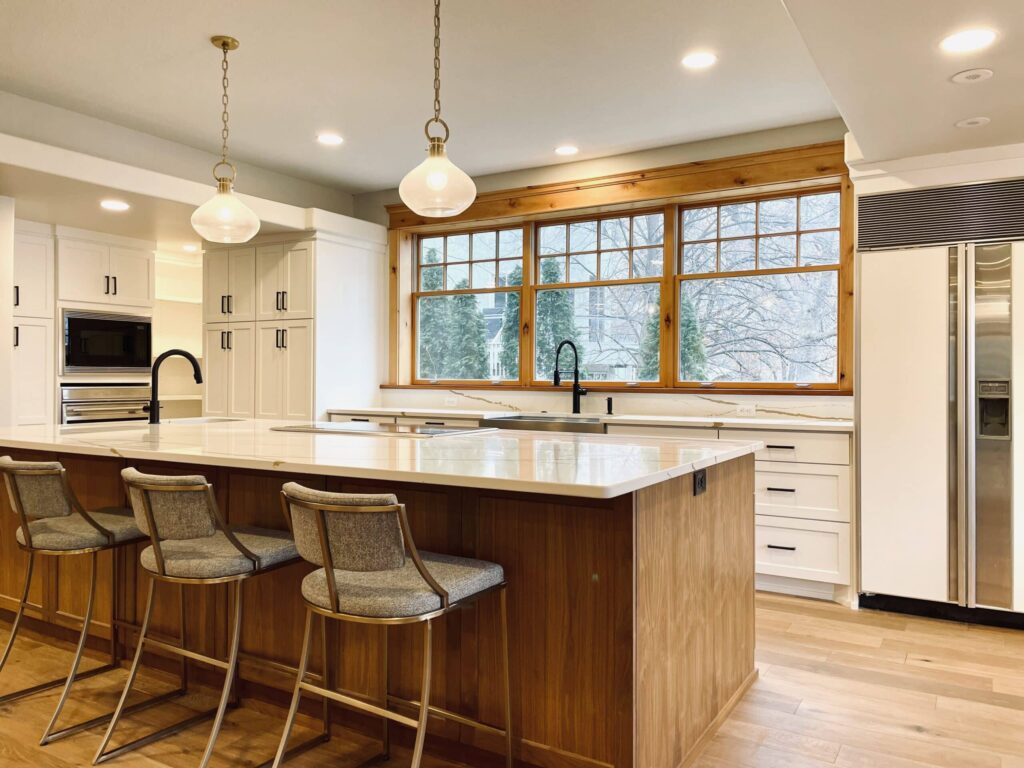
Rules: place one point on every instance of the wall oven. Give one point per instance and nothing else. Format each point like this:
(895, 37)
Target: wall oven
(104, 342)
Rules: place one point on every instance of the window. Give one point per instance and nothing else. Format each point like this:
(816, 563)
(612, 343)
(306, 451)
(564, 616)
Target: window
(467, 306)
(599, 284)
(742, 294)
(759, 291)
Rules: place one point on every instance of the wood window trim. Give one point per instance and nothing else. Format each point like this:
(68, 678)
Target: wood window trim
(798, 169)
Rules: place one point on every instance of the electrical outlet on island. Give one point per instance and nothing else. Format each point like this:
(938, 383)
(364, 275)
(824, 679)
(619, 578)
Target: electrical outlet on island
(746, 409)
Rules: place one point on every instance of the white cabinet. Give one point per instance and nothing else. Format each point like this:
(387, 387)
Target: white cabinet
(437, 421)
(229, 285)
(98, 273)
(284, 276)
(284, 370)
(361, 417)
(132, 277)
(229, 358)
(33, 276)
(903, 332)
(34, 385)
(807, 550)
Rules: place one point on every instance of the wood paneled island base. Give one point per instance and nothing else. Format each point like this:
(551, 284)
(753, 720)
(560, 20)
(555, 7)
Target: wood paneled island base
(632, 618)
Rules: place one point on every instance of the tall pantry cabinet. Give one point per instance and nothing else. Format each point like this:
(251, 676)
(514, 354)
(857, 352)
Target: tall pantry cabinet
(280, 316)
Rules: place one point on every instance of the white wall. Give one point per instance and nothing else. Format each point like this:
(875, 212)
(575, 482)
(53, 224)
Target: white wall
(178, 324)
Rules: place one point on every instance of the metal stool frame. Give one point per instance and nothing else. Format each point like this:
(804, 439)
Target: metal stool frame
(228, 698)
(50, 734)
(382, 707)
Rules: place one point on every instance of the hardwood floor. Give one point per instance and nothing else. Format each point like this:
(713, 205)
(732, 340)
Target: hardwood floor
(837, 688)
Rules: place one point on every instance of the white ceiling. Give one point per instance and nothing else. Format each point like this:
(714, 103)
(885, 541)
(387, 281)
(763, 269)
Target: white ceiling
(891, 81)
(518, 77)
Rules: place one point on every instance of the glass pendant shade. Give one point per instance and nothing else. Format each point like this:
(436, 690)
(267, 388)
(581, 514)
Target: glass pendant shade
(224, 218)
(437, 187)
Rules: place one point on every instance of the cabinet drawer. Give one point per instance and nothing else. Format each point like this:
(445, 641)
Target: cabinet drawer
(700, 433)
(803, 549)
(808, 491)
(439, 421)
(803, 447)
(362, 417)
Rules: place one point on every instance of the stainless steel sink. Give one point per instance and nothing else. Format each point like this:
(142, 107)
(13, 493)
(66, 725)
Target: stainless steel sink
(547, 423)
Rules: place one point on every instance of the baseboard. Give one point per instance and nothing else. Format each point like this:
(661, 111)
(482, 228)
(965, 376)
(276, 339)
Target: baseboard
(723, 715)
(948, 611)
(816, 590)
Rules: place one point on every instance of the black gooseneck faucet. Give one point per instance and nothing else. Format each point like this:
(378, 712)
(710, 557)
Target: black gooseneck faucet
(154, 402)
(577, 390)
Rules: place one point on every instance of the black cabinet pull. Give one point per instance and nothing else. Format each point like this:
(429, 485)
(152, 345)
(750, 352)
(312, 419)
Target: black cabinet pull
(231, 304)
(779, 546)
(106, 289)
(277, 338)
(17, 335)
(277, 300)
(17, 295)
(782, 447)
(223, 340)
(434, 423)
(284, 338)
(284, 300)
(780, 490)
(355, 419)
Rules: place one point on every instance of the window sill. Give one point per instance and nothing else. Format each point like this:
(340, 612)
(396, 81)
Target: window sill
(598, 387)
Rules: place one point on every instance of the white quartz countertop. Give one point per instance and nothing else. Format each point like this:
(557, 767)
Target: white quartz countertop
(592, 466)
(794, 423)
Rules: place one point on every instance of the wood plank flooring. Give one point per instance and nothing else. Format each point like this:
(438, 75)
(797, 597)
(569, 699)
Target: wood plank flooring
(837, 688)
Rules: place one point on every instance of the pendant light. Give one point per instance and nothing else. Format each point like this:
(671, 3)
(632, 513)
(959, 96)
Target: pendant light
(224, 218)
(437, 187)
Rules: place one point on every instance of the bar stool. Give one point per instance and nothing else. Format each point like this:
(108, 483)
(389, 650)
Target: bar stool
(192, 545)
(54, 524)
(372, 573)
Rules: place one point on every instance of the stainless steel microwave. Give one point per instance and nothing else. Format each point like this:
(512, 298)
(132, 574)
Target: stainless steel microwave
(104, 342)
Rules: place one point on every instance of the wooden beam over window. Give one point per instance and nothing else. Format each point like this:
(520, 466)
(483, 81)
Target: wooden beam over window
(782, 166)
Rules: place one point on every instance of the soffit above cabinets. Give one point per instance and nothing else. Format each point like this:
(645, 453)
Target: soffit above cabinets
(884, 67)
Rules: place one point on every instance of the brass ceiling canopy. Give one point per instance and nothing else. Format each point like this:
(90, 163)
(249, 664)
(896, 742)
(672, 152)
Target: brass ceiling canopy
(224, 42)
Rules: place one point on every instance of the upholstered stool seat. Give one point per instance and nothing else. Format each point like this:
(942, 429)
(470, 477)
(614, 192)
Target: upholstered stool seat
(402, 593)
(73, 532)
(215, 557)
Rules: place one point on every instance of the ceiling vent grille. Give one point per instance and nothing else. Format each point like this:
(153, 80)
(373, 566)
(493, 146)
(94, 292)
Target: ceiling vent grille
(987, 211)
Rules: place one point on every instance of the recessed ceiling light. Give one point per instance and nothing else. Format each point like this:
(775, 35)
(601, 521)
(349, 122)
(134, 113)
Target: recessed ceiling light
(114, 205)
(329, 139)
(973, 122)
(969, 76)
(968, 40)
(699, 60)
(566, 150)
(190, 248)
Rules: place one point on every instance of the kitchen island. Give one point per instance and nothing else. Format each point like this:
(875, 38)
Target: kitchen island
(631, 590)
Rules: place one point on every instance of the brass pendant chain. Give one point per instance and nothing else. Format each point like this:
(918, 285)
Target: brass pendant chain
(437, 60)
(224, 102)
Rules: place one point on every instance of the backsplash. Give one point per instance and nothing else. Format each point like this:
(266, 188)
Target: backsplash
(631, 403)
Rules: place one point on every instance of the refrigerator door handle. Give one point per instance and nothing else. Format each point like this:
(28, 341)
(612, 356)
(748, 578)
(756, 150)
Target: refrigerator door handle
(961, 400)
(967, 376)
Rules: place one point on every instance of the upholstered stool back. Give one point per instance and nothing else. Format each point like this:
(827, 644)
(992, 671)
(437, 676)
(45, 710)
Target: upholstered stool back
(37, 489)
(366, 537)
(177, 514)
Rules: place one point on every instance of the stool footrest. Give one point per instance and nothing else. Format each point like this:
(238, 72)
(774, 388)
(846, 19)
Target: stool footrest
(179, 651)
(71, 730)
(157, 735)
(25, 692)
(359, 704)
